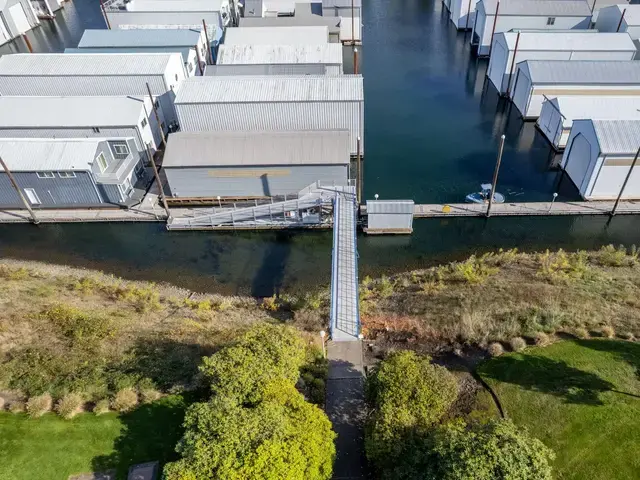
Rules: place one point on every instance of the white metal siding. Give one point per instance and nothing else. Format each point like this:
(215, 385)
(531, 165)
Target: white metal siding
(610, 178)
(462, 13)
(522, 91)
(551, 124)
(19, 17)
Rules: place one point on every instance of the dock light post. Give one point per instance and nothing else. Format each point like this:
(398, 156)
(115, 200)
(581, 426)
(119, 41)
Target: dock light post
(219, 202)
(624, 184)
(376, 196)
(324, 350)
(555, 195)
(495, 176)
(34, 219)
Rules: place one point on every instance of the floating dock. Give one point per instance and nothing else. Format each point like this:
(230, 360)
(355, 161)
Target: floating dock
(523, 209)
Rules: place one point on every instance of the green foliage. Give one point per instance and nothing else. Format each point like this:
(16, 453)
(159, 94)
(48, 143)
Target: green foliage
(264, 354)
(562, 267)
(517, 344)
(39, 405)
(69, 405)
(409, 394)
(474, 270)
(125, 400)
(270, 304)
(384, 287)
(17, 406)
(79, 326)
(101, 407)
(12, 273)
(610, 256)
(314, 374)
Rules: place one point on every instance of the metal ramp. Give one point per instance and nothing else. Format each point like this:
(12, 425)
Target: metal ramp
(345, 313)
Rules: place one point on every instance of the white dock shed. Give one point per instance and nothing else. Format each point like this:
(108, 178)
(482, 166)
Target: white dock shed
(536, 79)
(16, 18)
(80, 117)
(327, 55)
(339, 27)
(254, 164)
(95, 74)
(462, 13)
(511, 48)
(493, 16)
(315, 35)
(342, 8)
(620, 18)
(558, 114)
(599, 155)
(275, 103)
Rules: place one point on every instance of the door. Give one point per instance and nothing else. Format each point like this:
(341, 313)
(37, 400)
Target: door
(19, 18)
(32, 196)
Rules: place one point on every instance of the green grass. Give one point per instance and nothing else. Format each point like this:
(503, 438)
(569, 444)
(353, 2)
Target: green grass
(581, 398)
(50, 448)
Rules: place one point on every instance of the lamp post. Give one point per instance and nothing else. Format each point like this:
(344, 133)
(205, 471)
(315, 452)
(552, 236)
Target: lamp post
(322, 335)
(555, 195)
(376, 196)
(219, 202)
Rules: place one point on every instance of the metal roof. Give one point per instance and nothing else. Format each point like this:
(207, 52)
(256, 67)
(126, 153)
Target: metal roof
(32, 155)
(617, 136)
(345, 28)
(251, 89)
(228, 149)
(313, 35)
(582, 72)
(296, 21)
(75, 112)
(328, 53)
(184, 51)
(66, 64)
(171, 37)
(602, 108)
(390, 207)
(266, 69)
(565, 41)
(546, 8)
(167, 6)
(341, 3)
(632, 14)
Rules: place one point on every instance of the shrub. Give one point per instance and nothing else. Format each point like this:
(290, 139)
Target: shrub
(16, 406)
(563, 267)
(149, 395)
(581, 333)
(473, 270)
(270, 304)
(101, 407)
(125, 400)
(495, 349)
(2, 403)
(608, 331)
(69, 405)
(384, 287)
(541, 339)
(79, 326)
(517, 344)
(38, 406)
(610, 256)
(627, 335)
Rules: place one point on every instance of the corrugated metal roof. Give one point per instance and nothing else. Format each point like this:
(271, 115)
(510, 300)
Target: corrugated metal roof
(33, 112)
(65, 64)
(341, 3)
(173, 37)
(390, 206)
(632, 14)
(32, 155)
(594, 107)
(328, 53)
(267, 69)
(296, 21)
(565, 41)
(250, 89)
(550, 8)
(582, 72)
(314, 35)
(617, 136)
(279, 6)
(170, 6)
(345, 28)
(210, 149)
(184, 51)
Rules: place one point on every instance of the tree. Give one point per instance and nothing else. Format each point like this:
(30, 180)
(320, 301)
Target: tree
(264, 354)
(409, 395)
(280, 437)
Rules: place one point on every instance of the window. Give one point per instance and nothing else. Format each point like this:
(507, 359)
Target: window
(67, 174)
(46, 175)
(102, 162)
(125, 188)
(139, 169)
(551, 21)
(95, 130)
(176, 77)
(120, 149)
(32, 196)
(143, 123)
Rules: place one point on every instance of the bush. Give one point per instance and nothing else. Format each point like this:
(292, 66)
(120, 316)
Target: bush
(2, 403)
(608, 332)
(149, 395)
(38, 406)
(610, 256)
(495, 349)
(125, 400)
(69, 405)
(541, 339)
(101, 407)
(517, 344)
(16, 406)
(384, 287)
(581, 333)
(79, 326)
(473, 270)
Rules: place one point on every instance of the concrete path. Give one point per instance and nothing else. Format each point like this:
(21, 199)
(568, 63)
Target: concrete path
(346, 408)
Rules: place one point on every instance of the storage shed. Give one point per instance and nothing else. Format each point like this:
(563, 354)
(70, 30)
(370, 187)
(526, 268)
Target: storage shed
(70, 172)
(599, 155)
(557, 115)
(462, 13)
(328, 55)
(493, 16)
(265, 69)
(16, 18)
(276, 103)
(348, 25)
(80, 117)
(315, 35)
(620, 18)
(254, 164)
(389, 216)
(536, 79)
(94, 74)
(342, 8)
(332, 23)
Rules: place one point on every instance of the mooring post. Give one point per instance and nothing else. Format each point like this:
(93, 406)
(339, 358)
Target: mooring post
(206, 37)
(34, 219)
(104, 14)
(199, 61)
(495, 175)
(353, 23)
(26, 40)
(621, 18)
(359, 173)
(157, 115)
(493, 30)
(355, 60)
(163, 199)
(624, 184)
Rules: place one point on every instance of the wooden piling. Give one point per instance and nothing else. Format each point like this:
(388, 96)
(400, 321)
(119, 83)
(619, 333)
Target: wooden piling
(624, 184)
(163, 198)
(495, 176)
(34, 219)
(157, 115)
(206, 36)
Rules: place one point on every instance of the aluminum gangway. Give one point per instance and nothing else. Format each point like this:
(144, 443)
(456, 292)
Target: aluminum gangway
(345, 312)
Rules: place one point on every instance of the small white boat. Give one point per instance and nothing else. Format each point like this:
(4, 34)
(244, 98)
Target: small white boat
(483, 195)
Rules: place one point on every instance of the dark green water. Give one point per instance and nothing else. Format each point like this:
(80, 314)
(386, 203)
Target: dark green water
(431, 132)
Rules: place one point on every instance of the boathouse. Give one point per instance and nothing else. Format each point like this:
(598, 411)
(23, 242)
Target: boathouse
(599, 155)
(558, 114)
(94, 74)
(620, 18)
(332, 23)
(81, 117)
(462, 13)
(70, 172)
(314, 35)
(327, 55)
(265, 69)
(254, 164)
(16, 17)
(493, 17)
(511, 48)
(341, 8)
(273, 103)
(536, 79)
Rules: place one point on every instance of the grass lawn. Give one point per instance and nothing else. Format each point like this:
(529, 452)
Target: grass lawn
(50, 448)
(581, 398)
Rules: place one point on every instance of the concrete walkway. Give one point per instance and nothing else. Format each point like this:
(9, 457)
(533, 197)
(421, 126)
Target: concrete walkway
(346, 408)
